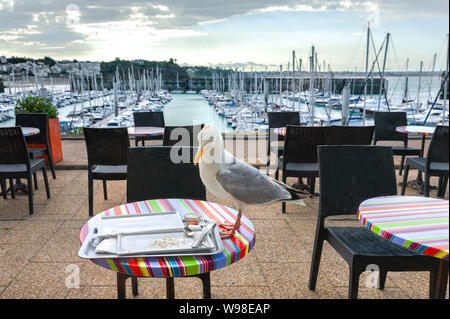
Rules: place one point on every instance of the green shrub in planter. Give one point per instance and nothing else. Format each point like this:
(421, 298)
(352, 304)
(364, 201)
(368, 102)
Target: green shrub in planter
(37, 104)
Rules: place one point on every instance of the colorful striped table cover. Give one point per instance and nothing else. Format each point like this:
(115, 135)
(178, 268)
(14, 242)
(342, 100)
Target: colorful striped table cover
(28, 131)
(416, 130)
(235, 248)
(280, 131)
(145, 131)
(417, 223)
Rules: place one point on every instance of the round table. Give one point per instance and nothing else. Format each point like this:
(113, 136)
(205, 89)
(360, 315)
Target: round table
(29, 131)
(281, 131)
(423, 131)
(417, 223)
(145, 131)
(236, 248)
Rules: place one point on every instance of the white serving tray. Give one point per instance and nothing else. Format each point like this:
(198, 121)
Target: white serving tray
(145, 235)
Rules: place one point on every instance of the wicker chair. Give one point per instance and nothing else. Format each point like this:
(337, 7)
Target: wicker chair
(150, 119)
(351, 135)
(182, 135)
(278, 120)
(15, 162)
(435, 164)
(385, 125)
(153, 175)
(107, 157)
(40, 121)
(300, 154)
(348, 176)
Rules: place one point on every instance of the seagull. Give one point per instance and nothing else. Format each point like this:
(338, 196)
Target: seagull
(232, 179)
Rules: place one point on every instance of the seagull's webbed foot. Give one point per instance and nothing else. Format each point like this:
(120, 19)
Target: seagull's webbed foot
(230, 227)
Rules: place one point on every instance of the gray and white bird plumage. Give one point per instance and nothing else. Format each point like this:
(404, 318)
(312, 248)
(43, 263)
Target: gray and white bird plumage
(232, 179)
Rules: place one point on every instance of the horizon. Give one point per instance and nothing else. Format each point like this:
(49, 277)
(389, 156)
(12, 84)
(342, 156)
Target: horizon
(240, 34)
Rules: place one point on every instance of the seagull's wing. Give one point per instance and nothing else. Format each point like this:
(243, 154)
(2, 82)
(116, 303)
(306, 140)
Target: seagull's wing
(248, 185)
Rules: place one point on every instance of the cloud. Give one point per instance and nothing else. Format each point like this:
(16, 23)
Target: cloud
(105, 23)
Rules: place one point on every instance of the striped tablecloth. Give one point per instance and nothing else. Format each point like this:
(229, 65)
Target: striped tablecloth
(235, 248)
(417, 223)
(29, 131)
(145, 131)
(416, 130)
(280, 131)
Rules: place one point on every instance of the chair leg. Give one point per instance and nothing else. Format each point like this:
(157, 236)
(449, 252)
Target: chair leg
(35, 181)
(30, 194)
(405, 179)
(402, 164)
(13, 188)
(427, 185)
(439, 280)
(283, 204)
(91, 194)
(50, 161)
(105, 191)
(353, 283)
(315, 263)
(170, 288)
(121, 290)
(382, 279)
(134, 285)
(442, 186)
(3, 187)
(206, 280)
(47, 186)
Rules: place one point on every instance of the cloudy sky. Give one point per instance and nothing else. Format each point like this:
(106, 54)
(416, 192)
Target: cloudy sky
(239, 32)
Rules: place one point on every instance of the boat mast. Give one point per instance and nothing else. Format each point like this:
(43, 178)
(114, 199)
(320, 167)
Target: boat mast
(446, 81)
(367, 71)
(420, 85)
(382, 86)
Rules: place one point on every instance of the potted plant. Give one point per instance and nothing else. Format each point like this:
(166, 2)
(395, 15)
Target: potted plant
(37, 104)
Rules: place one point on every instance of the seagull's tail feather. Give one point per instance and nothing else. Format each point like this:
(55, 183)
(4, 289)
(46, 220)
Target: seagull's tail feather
(296, 194)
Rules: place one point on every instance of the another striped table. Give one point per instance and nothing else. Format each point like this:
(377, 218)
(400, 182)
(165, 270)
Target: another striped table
(417, 223)
(29, 131)
(145, 131)
(236, 248)
(280, 131)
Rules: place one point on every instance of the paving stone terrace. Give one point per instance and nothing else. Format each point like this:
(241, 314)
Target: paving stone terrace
(35, 251)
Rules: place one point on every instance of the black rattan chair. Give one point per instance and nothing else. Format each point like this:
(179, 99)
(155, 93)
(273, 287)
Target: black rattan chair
(351, 135)
(182, 135)
(107, 157)
(385, 130)
(278, 120)
(15, 162)
(350, 175)
(149, 119)
(300, 154)
(435, 164)
(152, 174)
(40, 121)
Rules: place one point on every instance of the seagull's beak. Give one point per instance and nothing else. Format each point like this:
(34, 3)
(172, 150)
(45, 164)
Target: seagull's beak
(198, 156)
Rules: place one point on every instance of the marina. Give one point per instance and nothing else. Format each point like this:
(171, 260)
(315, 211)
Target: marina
(238, 150)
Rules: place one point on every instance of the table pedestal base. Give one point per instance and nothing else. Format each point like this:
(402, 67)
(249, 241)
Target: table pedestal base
(170, 285)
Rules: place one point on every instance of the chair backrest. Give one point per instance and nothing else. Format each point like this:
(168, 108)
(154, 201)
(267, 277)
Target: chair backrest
(438, 149)
(106, 146)
(150, 119)
(350, 175)
(283, 119)
(302, 141)
(153, 173)
(37, 120)
(182, 135)
(13, 148)
(351, 135)
(386, 124)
